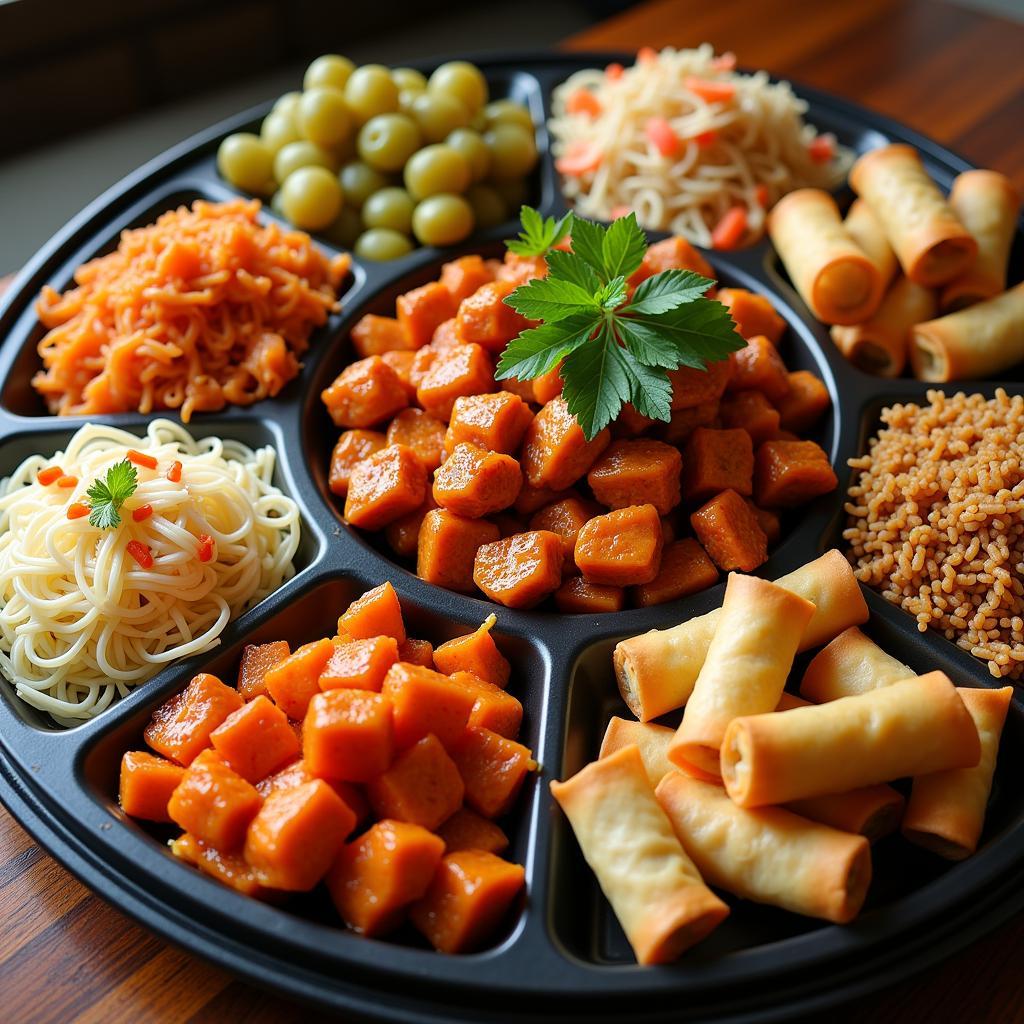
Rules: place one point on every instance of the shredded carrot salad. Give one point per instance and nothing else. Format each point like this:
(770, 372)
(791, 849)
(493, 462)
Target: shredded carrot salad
(204, 308)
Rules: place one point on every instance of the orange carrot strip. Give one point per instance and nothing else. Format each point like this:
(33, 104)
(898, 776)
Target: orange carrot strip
(583, 101)
(580, 157)
(662, 136)
(709, 90)
(49, 475)
(140, 552)
(729, 231)
(77, 510)
(614, 71)
(141, 459)
(142, 513)
(822, 148)
(67, 481)
(174, 473)
(205, 547)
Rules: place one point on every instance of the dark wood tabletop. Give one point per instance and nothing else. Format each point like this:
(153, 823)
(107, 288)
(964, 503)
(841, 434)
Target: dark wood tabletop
(951, 72)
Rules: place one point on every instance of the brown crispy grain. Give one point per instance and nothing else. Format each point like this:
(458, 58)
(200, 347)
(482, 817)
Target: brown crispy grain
(936, 520)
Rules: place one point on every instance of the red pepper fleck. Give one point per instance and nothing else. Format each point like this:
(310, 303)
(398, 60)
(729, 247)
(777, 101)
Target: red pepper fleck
(708, 138)
(49, 475)
(141, 459)
(174, 473)
(761, 194)
(205, 547)
(614, 72)
(142, 512)
(140, 552)
(77, 510)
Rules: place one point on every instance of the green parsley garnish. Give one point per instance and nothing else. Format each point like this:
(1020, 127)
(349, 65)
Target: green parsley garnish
(107, 496)
(612, 351)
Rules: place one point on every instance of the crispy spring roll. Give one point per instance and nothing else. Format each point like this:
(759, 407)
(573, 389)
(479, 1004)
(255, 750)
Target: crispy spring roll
(979, 341)
(879, 344)
(651, 740)
(758, 633)
(850, 664)
(830, 271)
(946, 811)
(657, 894)
(656, 670)
(933, 247)
(863, 227)
(768, 855)
(912, 727)
(987, 204)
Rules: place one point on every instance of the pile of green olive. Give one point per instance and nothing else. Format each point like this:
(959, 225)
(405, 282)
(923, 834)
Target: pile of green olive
(374, 159)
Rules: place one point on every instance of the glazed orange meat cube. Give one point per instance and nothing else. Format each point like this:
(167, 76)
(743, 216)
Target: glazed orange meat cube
(496, 422)
(493, 768)
(402, 361)
(579, 596)
(292, 683)
(485, 319)
(257, 660)
(566, 518)
(640, 472)
(448, 545)
(692, 387)
(256, 740)
(353, 446)
(297, 774)
(422, 310)
(364, 394)
(531, 498)
(622, 547)
(378, 612)
(715, 460)
(181, 728)
(417, 652)
(521, 570)
(685, 569)
(752, 412)
(728, 529)
(475, 652)
(424, 702)
(360, 664)
(548, 386)
(753, 314)
(374, 335)
(422, 787)
(445, 335)
(467, 830)
(464, 276)
(671, 254)
(556, 452)
(452, 373)
(147, 783)
(228, 868)
(493, 708)
(519, 270)
(403, 534)
(759, 366)
(801, 407)
(473, 482)
(385, 486)
(790, 473)
(422, 433)
(685, 421)
(348, 735)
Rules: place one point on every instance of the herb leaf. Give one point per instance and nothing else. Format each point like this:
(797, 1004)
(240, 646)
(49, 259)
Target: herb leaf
(588, 245)
(667, 290)
(539, 234)
(701, 331)
(567, 266)
(596, 382)
(623, 247)
(106, 496)
(552, 299)
(539, 349)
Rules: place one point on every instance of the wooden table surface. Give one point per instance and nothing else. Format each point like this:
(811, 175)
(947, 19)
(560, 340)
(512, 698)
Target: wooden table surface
(952, 73)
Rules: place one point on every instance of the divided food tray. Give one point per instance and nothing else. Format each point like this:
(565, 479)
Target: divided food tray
(560, 955)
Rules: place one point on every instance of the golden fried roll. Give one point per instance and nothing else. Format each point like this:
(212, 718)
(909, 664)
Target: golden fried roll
(987, 204)
(863, 227)
(758, 633)
(656, 670)
(871, 811)
(933, 247)
(912, 727)
(657, 894)
(848, 665)
(830, 271)
(946, 810)
(979, 341)
(769, 855)
(651, 740)
(879, 344)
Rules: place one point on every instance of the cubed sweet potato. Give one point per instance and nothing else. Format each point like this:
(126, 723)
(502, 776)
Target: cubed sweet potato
(518, 270)
(493, 708)
(759, 367)
(770, 522)
(752, 412)
(454, 372)
(422, 309)
(229, 869)
(297, 834)
(631, 423)
(802, 406)
(445, 335)
(520, 388)
(417, 652)
(692, 387)
(298, 774)
(360, 664)
(467, 830)
(422, 361)
(378, 875)
(556, 452)
(566, 518)
(378, 612)
(790, 473)
(496, 422)
(385, 486)
(364, 394)
(474, 482)
(293, 682)
(685, 421)
(577, 596)
(485, 319)
(493, 769)
(422, 787)
(640, 472)
(475, 652)
(353, 446)
(685, 569)
(548, 386)
(533, 498)
(463, 276)
(674, 253)
(257, 659)
(621, 548)
(448, 545)
(180, 728)
(213, 802)
(716, 460)
(348, 735)
(146, 785)
(422, 433)
(402, 362)
(521, 570)
(730, 533)
(403, 533)
(374, 335)
(256, 740)
(753, 314)
(423, 702)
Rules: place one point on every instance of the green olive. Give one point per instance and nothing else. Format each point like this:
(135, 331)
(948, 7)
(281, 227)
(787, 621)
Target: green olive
(288, 103)
(323, 116)
(409, 78)
(345, 228)
(389, 208)
(331, 69)
(436, 169)
(442, 219)
(512, 191)
(438, 115)
(462, 80)
(371, 91)
(508, 112)
(474, 149)
(388, 140)
(294, 155)
(246, 162)
(275, 204)
(513, 151)
(278, 129)
(344, 151)
(382, 244)
(311, 198)
(359, 181)
(489, 208)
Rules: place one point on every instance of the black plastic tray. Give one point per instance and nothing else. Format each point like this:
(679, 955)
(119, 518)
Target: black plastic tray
(561, 955)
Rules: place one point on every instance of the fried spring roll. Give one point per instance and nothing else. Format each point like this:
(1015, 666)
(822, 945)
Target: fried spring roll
(979, 341)
(933, 247)
(850, 664)
(656, 670)
(768, 855)
(879, 345)
(863, 227)
(912, 727)
(830, 271)
(656, 892)
(758, 633)
(946, 811)
(651, 740)
(987, 204)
